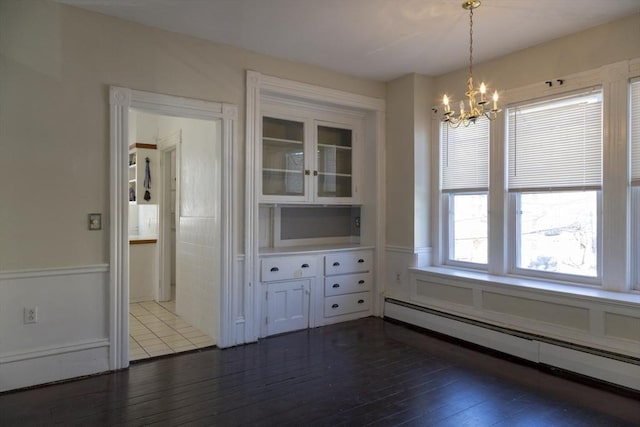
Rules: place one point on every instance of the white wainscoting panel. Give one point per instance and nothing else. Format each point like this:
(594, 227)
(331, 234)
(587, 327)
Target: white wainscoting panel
(398, 260)
(510, 344)
(587, 331)
(70, 338)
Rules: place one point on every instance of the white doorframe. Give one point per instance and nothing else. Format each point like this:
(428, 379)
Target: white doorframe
(121, 100)
(164, 220)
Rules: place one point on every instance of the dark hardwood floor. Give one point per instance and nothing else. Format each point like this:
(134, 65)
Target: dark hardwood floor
(365, 372)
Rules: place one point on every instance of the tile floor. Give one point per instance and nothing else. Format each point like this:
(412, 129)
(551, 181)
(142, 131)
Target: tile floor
(155, 330)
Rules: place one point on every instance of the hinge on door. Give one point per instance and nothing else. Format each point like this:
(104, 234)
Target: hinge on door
(266, 320)
(266, 296)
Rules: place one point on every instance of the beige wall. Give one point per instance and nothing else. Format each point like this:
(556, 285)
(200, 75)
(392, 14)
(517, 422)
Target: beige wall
(399, 161)
(56, 63)
(422, 159)
(407, 160)
(586, 50)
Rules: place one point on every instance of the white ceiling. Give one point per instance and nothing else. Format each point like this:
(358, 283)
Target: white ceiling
(377, 39)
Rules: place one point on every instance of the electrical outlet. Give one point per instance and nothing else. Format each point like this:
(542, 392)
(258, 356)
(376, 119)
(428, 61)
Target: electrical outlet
(95, 221)
(30, 315)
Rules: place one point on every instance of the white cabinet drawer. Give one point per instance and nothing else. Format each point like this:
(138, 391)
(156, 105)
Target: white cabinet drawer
(348, 262)
(345, 304)
(290, 267)
(347, 284)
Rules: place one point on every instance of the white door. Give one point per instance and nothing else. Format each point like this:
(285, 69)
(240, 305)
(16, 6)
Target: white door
(287, 306)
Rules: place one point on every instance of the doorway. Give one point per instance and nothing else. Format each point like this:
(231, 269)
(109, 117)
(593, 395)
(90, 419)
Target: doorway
(204, 220)
(174, 235)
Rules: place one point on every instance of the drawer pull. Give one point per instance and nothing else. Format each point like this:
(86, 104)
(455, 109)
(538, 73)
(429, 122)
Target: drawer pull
(305, 265)
(360, 301)
(336, 285)
(274, 269)
(360, 282)
(335, 306)
(361, 260)
(336, 264)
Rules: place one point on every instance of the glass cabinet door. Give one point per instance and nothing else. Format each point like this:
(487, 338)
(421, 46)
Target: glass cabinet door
(282, 157)
(334, 162)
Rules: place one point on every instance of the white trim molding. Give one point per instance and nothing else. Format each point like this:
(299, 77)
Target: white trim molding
(408, 250)
(260, 87)
(55, 271)
(122, 100)
(53, 350)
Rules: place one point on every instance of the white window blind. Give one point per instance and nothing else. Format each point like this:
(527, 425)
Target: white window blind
(556, 144)
(635, 132)
(465, 157)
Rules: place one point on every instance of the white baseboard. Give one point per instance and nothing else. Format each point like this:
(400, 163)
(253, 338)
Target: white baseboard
(53, 364)
(70, 336)
(613, 370)
(591, 365)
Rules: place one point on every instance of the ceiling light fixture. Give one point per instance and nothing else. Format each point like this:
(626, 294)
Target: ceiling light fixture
(476, 107)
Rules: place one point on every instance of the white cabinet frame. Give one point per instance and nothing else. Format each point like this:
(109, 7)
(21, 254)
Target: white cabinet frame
(261, 87)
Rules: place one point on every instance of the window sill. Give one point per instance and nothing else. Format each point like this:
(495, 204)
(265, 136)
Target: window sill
(541, 286)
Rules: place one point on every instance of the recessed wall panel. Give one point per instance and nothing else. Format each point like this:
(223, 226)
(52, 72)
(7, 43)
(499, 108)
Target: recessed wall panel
(621, 326)
(548, 312)
(437, 291)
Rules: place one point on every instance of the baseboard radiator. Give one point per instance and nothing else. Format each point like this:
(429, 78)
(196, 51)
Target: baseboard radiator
(617, 369)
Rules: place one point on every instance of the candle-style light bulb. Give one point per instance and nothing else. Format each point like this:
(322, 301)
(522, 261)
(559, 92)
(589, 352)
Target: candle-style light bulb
(495, 100)
(445, 101)
(461, 108)
(483, 91)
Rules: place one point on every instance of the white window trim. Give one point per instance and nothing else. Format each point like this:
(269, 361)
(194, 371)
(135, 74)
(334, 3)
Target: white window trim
(635, 237)
(615, 254)
(634, 210)
(514, 243)
(448, 233)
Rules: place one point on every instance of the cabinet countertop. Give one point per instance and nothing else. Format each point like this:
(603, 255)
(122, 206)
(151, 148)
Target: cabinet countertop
(298, 250)
(139, 240)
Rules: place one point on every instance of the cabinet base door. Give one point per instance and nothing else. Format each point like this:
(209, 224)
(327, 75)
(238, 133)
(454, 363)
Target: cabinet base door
(287, 306)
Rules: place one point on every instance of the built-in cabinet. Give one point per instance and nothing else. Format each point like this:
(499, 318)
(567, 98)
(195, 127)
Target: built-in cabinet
(314, 289)
(314, 165)
(287, 283)
(143, 158)
(307, 160)
(347, 284)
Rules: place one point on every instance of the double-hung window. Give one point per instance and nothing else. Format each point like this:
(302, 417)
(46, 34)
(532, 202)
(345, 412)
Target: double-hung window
(464, 189)
(554, 179)
(634, 131)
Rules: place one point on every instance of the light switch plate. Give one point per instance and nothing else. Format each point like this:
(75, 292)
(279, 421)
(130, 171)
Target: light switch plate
(95, 221)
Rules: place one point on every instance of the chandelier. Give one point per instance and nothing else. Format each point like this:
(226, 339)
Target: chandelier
(477, 108)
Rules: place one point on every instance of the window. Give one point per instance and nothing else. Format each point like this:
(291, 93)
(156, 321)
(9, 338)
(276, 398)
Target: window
(554, 180)
(634, 137)
(465, 185)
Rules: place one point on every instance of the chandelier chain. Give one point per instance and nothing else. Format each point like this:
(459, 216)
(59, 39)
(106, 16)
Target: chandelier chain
(470, 41)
